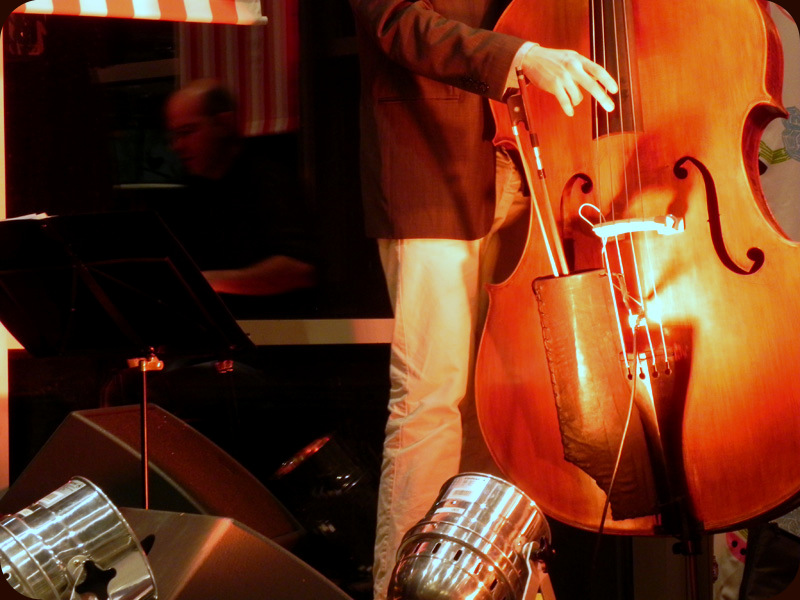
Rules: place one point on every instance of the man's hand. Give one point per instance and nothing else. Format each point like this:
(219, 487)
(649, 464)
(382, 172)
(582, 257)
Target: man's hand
(564, 72)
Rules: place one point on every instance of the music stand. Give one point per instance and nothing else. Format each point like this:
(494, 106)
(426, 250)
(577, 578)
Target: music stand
(113, 285)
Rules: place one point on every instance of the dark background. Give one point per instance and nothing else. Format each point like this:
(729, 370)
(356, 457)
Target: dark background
(72, 137)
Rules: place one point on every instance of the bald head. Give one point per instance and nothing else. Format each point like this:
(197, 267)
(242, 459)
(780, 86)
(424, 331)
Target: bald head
(201, 120)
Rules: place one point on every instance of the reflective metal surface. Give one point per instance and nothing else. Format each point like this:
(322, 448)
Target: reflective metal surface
(471, 543)
(73, 536)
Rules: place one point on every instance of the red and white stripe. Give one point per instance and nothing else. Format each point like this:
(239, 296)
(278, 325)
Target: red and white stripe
(259, 64)
(236, 12)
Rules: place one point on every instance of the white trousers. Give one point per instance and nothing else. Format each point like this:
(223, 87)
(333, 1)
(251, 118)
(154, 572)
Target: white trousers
(436, 288)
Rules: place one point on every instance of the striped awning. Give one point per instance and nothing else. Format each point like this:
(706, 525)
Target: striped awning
(232, 12)
(259, 64)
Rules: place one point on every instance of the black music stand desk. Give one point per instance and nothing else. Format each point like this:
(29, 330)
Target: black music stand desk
(117, 285)
(108, 284)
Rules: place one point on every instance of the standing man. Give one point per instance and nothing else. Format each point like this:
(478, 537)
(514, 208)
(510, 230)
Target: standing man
(436, 192)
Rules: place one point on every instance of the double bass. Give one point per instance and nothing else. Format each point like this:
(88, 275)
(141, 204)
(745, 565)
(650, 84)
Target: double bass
(709, 315)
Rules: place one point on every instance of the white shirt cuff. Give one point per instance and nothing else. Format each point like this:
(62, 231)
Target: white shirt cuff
(511, 80)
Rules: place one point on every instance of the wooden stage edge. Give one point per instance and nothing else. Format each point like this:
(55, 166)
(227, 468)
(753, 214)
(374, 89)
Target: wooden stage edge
(299, 332)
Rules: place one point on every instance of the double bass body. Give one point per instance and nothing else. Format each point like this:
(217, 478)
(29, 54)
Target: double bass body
(694, 100)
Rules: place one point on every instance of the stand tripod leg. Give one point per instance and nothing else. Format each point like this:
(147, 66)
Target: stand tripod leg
(546, 587)
(698, 586)
(539, 587)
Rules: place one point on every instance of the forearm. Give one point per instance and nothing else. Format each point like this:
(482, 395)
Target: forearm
(274, 275)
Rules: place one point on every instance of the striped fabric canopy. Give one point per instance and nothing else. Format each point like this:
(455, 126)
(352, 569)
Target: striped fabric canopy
(260, 65)
(233, 12)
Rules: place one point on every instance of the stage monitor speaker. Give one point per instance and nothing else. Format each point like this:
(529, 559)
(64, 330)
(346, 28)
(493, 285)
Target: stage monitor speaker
(188, 472)
(199, 557)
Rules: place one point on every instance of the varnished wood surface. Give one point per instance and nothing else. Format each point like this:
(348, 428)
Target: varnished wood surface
(733, 427)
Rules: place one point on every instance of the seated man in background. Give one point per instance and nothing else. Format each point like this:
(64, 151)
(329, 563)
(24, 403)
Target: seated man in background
(242, 217)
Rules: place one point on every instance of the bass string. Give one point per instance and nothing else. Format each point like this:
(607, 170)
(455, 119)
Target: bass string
(615, 18)
(648, 262)
(646, 236)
